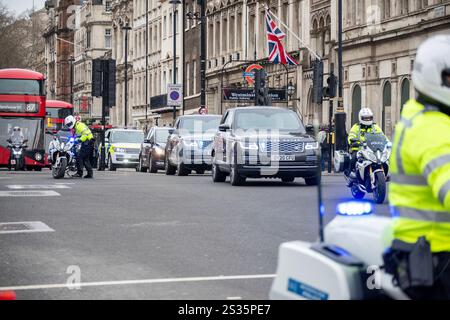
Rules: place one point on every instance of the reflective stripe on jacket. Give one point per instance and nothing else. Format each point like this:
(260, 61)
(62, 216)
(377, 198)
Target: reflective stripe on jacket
(419, 192)
(356, 132)
(83, 132)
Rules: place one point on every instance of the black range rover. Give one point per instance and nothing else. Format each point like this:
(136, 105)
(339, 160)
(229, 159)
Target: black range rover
(256, 142)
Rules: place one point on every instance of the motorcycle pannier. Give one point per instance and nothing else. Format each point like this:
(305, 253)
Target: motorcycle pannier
(341, 160)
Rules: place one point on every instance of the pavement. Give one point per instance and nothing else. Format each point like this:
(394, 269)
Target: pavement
(130, 235)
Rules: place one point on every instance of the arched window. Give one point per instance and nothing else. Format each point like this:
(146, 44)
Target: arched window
(386, 103)
(404, 93)
(322, 37)
(356, 103)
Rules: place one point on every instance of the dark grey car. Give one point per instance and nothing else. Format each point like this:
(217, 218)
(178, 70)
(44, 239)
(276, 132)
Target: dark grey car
(256, 142)
(153, 153)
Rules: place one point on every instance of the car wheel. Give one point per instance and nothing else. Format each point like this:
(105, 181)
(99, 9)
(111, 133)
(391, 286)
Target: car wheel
(151, 166)
(217, 175)
(288, 179)
(111, 166)
(312, 181)
(169, 169)
(140, 167)
(182, 170)
(235, 178)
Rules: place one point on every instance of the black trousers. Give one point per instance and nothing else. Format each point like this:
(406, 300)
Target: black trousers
(84, 157)
(441, 288)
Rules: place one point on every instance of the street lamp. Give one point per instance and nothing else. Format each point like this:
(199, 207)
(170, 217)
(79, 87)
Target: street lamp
(290, 89)
(126, 27)
(71, 61)
(146, 66)
(201, 16)
(174, 3)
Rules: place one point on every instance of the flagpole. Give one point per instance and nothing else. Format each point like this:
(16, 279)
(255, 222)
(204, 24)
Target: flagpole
(297, 37)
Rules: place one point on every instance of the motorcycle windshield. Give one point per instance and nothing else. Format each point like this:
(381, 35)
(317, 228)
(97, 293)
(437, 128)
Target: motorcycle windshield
(375, 141)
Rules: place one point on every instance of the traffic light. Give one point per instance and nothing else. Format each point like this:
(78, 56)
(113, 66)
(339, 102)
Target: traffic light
(97, 77)
(111, 82)
(261, 91)
(330, 90)
(317, 81)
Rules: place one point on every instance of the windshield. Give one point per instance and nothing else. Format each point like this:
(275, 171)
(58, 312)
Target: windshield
(31, 128)
(127, 137)
(200, 124)
(60, 113)
(20, 86)
(161, 136)
(268, 119)
(375, 141)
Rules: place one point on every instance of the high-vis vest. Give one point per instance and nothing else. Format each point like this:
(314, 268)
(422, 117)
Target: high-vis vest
(83, 132)
(419, 192)
(356, 132)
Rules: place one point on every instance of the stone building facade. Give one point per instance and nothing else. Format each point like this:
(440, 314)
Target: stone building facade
(58, 35)
(122, 17)
(93, 39)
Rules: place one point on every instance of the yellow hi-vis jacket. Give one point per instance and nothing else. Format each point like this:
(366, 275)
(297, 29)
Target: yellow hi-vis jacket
(356, 132)
(419, 192)
(83, 132)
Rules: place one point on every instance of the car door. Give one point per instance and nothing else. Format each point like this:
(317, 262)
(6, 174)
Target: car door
(146, 147)
(219, 141)
(228, 138)
(172, 141)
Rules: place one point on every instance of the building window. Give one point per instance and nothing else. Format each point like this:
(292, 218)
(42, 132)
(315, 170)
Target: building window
(108, 38)
(188, 80)
(194, 77)
(356, 103)
(108, 6)
(404, 93)
(88, 39)
(387, 91)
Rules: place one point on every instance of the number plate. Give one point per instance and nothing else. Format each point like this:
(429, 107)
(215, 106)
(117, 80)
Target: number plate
(13, 161)
(282, 157)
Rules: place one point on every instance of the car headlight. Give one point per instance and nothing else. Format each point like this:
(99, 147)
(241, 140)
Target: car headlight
(311, 146)
(159, 150)
(119, 150)
(248, 145)
(190, 143)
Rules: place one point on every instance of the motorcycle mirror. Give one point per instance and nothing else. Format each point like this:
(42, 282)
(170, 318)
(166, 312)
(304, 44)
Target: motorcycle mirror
(9, 140)
(25, 141)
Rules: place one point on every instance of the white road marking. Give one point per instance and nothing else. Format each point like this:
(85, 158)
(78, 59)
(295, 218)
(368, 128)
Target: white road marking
(37, 186)
(47, 193)
(144, 281)
(234, 298)
(33, 226)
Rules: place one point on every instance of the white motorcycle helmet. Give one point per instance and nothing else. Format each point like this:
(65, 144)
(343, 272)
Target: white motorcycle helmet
(69, 121)
(366, 117)
(431, 73)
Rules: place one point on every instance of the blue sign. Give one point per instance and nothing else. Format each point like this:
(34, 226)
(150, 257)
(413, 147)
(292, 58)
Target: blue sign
(306, 291)
(249, 74)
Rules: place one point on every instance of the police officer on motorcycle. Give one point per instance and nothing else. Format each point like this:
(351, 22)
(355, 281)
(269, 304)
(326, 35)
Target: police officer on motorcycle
(85, 136)
(356, 136)
(419, 258)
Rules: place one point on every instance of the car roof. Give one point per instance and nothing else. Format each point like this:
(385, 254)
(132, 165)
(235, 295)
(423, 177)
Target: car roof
(259, 108)
(200, 115)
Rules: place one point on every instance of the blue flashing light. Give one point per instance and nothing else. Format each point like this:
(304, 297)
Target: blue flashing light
(72, 139)
(354, 208)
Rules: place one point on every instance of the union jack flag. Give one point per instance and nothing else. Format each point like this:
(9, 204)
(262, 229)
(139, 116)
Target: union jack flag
(277, 53)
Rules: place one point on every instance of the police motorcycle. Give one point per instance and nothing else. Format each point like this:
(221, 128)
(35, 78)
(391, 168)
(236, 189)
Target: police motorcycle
(17, 154)
(372, 166)
(62, 152)
(346, 262)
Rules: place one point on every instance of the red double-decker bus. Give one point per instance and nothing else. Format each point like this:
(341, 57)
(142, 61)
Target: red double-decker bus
(22, 104)
(57, 111)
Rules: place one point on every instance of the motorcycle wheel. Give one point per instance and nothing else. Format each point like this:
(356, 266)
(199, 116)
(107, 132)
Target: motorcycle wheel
(19, 165)
(379, 192)
(356, 193)
(59, 172)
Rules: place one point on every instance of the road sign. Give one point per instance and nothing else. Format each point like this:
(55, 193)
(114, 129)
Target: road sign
(248, 70)
(203, 110)
(174, 94)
